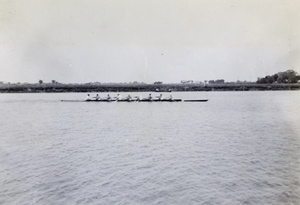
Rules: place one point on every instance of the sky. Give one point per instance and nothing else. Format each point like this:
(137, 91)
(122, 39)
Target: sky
(75, 41)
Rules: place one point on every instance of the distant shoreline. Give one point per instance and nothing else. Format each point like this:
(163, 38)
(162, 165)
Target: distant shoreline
(65, 88)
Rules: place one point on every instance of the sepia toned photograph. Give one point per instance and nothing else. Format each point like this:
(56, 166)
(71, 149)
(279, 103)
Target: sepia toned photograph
(149, 102)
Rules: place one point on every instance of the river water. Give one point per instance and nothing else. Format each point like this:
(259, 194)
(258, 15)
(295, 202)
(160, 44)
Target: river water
(237, 148)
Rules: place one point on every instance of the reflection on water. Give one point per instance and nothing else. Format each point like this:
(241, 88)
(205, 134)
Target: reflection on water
(238, 148)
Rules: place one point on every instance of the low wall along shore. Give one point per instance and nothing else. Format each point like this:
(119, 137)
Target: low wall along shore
(58, 88)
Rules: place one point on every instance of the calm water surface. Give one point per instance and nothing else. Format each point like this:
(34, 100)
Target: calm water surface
(238, 148)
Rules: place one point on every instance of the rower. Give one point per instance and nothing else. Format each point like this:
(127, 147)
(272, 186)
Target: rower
(160, 97)
(118, 97)
(171, 97)
(150, 97)
(97, 97)
(108, 97)
(137, 98)
(88, 98)
(128, 97)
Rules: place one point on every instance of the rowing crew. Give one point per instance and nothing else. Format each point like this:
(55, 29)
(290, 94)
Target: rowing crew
(128, 97)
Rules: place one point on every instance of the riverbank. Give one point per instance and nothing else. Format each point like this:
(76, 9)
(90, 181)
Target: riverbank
(61, 88)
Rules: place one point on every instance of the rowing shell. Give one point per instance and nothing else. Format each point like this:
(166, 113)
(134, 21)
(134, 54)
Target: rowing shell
(196, 100)
(135, 100)
(125, 100)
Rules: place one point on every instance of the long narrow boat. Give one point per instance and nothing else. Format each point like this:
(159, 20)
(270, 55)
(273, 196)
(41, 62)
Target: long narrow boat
(136, 100)
(126, 100)
(204, 100)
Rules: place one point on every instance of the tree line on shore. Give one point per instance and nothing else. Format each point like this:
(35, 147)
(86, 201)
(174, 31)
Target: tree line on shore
(289, 76)
(286, 77)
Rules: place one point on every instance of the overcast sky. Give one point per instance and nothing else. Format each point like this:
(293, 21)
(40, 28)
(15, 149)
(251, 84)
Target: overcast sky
(147, 40)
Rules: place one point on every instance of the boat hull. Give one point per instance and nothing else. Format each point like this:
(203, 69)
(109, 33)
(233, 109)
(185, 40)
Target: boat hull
(136, 100)
(205, 100)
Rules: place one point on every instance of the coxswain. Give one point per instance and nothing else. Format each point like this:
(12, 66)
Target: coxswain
(88, 98)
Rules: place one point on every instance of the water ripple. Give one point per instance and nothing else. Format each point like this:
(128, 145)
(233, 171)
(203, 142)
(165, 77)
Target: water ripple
(232, 150)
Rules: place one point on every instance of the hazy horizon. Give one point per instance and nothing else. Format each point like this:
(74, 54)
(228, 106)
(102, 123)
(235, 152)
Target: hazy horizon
(147, 41)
